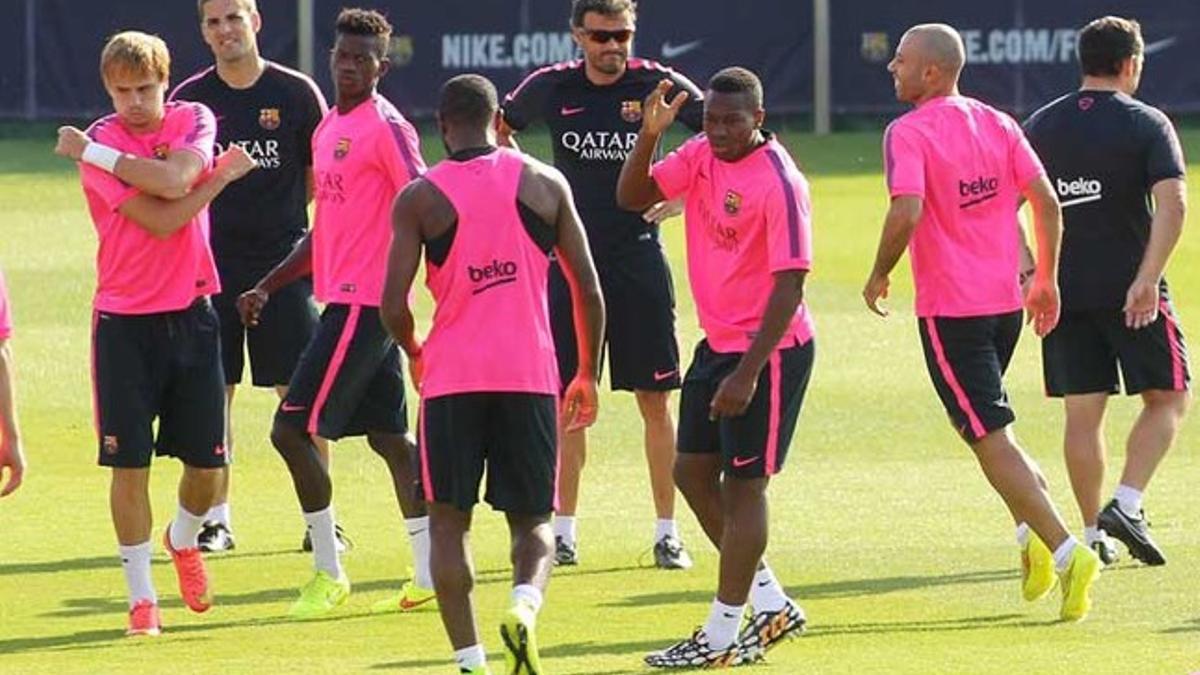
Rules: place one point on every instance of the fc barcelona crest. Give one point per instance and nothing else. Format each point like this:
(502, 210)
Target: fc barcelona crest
(268, 118)
(342, 148)
(161, 150)
(733, 202)
(631, 111)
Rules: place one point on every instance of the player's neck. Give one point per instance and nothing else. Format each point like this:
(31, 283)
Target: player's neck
(1101, 84)
(599, 78)
(938, 92)
(347, 103)
(243, 73)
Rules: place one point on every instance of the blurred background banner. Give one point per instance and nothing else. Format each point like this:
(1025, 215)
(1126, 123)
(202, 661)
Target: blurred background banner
(1021, 53)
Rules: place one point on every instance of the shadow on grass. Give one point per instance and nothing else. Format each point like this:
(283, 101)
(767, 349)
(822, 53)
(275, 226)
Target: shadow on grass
(635, 650)
(102, 638)
(110, 562)
(82, 607)
(1189, 626)
(833, 589)
(966, 623)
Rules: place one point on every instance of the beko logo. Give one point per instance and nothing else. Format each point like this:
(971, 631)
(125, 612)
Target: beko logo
(1078, 191)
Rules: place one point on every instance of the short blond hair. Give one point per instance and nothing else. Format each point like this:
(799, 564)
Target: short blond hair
(135, 53)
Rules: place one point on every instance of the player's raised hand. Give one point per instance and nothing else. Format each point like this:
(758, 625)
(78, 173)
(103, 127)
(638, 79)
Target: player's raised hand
(12, 457)
(234, 163)
(657, 113)
(1141, 304)
(71, 142)
(876, 290)
(580, 403)
(250, 306)
(733, 395)
(1042, 305)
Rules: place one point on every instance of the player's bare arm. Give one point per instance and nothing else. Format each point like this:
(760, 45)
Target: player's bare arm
(168, 178)
(1042, 301)
(297, 264)
(546, 191)
(902, 218)
(163, 217)
(1170, 209)
(636, 189)
(12, 455)
(737, 389)
(410, 212)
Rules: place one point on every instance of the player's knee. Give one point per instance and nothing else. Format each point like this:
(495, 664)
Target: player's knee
(1174, 403)
(391, 447)
(287, 439)
(653, 405)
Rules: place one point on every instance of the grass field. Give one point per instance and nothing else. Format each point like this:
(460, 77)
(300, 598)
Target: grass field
(883, 527)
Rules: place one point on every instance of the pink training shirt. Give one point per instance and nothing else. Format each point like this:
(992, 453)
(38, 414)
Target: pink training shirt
(745, 220)
(138, 273)
(361, 160)
(5, 311)
(968, 162)
(491, 327)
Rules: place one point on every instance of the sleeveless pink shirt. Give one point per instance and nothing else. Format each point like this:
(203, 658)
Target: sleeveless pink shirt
(491, 327)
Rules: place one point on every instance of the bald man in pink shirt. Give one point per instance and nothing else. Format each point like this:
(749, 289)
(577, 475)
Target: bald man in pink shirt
(956, 172)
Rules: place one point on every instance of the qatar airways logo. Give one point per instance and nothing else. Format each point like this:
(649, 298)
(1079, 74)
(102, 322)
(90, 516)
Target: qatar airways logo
(977, 190)
(265, 153)
(329, 187)
(496, 273)
(601, 146)
(1078, 191)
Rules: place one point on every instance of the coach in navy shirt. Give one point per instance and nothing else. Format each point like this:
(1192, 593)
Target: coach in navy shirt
(1119, 171)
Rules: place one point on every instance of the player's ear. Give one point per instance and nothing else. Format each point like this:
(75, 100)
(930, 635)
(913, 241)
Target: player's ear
(385, 64)
(256, 21)
(760, 116)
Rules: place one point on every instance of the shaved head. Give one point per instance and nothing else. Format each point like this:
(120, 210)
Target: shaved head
(939, 45)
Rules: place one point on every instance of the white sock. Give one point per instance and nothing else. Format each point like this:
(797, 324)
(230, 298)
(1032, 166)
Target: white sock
(665, 527)
(722, 625)
(1062, 554)
(766, 593)
(418, 538)
(1023, 534)
(219, 513)
(324, 541)
(1129, 500)
(564, 526)
(135, 562)
(529, 595)
(1092, 535)
(470, 657)
(185, 528)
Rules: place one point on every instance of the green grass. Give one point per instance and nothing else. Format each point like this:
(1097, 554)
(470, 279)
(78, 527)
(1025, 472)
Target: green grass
(883, 526)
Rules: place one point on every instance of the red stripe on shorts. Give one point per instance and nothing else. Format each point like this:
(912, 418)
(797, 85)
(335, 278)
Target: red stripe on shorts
(959, 394)
(335, 364)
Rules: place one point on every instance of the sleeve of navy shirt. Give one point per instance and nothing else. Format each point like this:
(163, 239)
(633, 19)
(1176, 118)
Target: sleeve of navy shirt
(1164, 155)
(525, 104)
(314, 107)
(692, 114)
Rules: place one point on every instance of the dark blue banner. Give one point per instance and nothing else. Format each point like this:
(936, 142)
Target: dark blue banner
(1020, 54)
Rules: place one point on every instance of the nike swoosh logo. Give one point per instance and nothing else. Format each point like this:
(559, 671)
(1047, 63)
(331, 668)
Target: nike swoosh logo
(670, 51)
(567, 112)
(1160, 45)
(739, 462)
(660, 376)
(763, 584)
(407, 604)
(288, 407)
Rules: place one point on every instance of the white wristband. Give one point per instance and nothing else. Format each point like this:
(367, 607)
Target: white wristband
(101, 155)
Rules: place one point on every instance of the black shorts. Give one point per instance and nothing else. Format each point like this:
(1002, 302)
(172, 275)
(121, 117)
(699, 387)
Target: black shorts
(165, 366)
(348, 381)
(639, 300)
(1082, 354)
(514, 434)
(284, 329)
(754, 444)
(966, 358)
